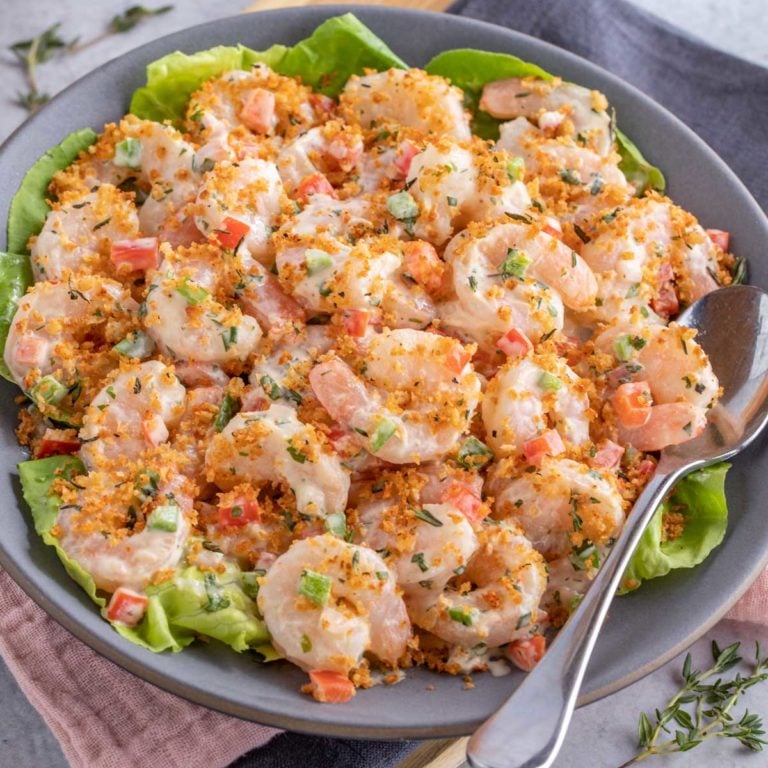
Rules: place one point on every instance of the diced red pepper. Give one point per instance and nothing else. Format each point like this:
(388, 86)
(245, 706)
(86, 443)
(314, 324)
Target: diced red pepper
(258, 112)
(666, 304)
(322, 104)
(230, 233)
(514, 343)
(139, 255)
(154, 430)
(355, 321)
(316, 184)
(31, 350)
(423, 264)
(457, 358)
(56, 442)
(720, 238)
(330, 687)
(240, 513)
(608, 455)
(406, 151)
(526, 654)
(466, 501)
(632, 402)
(548, 443)
(127, 607)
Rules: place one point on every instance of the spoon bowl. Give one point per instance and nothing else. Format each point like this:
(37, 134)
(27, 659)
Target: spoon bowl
(732, 328)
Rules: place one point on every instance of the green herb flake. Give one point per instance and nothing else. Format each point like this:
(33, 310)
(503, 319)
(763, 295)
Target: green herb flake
(515, 265)
(128, 154)
(164, 518)
(385, 429)
(549, 382)
(315, 587)
(306, 644)
(194, 294)
(317, 261)
(402, 206)
(418, 558)
(467, 618)
(473, 454)
(227, 409)
(428, 517)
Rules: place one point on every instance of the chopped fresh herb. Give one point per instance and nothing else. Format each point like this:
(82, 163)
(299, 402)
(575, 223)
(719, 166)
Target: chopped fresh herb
(473, 454)
(467, 618)
(48, 390)
(472, 280)
(583, 236)
(452, 201)
(524, 620)
(569, 176)
(382, 575)
(194, 294)
(383, 432)
(515, 168)
(609, 217)
(418, 558)
(295, 453)
(317, 261)
(597, 185)
(337, 524)
(306, 644)
(229, 337)
(227, 409)
(137, 344)
(402, 206)
(428, 517)
(549, 382)
(164, 518)
(102, 223)
(516, 264)
(270, 386)
(216, 601)
(128, 154)
(315, 587)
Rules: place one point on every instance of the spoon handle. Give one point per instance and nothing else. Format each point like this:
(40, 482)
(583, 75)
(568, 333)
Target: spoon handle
(528, 730)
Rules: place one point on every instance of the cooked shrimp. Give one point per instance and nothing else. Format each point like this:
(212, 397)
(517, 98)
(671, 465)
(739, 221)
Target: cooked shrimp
(134, 411)
(54, 319)
(453, 184)
(411, 98)
(327, 602)
(273, 446)
(551, 103)
(509, 275)
(100, 531)
(416, 399)
(77, 235)
(560, 505)
(531, 395)
(506, 579)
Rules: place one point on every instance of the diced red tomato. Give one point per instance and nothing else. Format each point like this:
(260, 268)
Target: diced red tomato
(608, 455)
(632, 402)
(241, 512)
(154, 430)
(548, 443)
(127, 607)
(514, 343)
(31, 350)
(720, 238)
(406, 151)
(139, 255)
(466, 501)
(666, 302)
(457, 358)
(423, 264)
(258, 112)
(231, 233)
(56, 442)
(526, 654)
(330, 687)
(355, 321)
(322, 104)
(316, 184)
(552, 227)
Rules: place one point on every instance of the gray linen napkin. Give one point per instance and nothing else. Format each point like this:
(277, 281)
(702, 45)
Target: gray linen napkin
(723, 98)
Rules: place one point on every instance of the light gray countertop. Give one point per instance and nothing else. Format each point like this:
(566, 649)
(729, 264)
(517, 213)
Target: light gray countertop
(603, 733)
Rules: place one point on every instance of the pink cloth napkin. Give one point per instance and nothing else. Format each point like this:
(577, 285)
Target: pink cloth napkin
(104, 717)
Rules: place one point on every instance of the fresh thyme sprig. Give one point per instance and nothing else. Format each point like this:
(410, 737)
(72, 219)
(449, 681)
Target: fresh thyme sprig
(124, 22)
(702, 710)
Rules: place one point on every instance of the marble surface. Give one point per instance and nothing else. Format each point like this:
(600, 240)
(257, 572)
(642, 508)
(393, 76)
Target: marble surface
(603, 733)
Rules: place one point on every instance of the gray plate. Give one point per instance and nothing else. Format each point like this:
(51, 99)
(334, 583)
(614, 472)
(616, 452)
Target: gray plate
(644, 630)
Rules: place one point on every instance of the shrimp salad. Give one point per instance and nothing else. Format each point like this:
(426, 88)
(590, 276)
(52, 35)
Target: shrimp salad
(385, 388)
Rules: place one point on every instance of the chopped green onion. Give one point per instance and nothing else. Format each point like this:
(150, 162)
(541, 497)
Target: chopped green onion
(315, 587)
(402, 206)
(137, 344)
(570, 176)
(229, 337)
(515, 168)
(384, 430)
(249, 581)
(128, 154)
(418, 558)
(452, 201)
(270, 386)
(49, 390)
(228, 408)
(524, 620)
(382, 575)
(336, 524)
(164, 518)
(194, 294)
(467, 618)
(296, 454)
(473, 454)
(428, 517)
(216, 601)
(549, 382)
(306, 644)
(316, 260)
(516, 264)
(625, 345)
(146, 484)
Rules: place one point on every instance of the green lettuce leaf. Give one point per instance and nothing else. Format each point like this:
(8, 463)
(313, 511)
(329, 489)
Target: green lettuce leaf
(181, 609)
(28, 207)
(15, 278)
(470, 70)
(700, 498)
(338, 48)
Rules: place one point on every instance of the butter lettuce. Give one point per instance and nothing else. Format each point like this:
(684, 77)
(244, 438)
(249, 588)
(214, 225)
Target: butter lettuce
(339, 47)
(181, 609)
(15, 278)
(699, 500)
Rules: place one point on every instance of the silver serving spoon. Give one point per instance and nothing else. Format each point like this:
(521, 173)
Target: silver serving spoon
(732, 324)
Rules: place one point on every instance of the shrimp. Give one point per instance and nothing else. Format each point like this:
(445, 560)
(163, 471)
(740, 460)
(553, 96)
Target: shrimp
(417, 397)
(122, 536)
(454, 184)
(52, 322)
(510, 275)
(639, 248)
(249, 192)
(410, 98)
(553, 103)
(560, 506)
(273, 446)
(326, 603)
(495, 600)
(77, 235)
(134, 411)
(531, 395)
